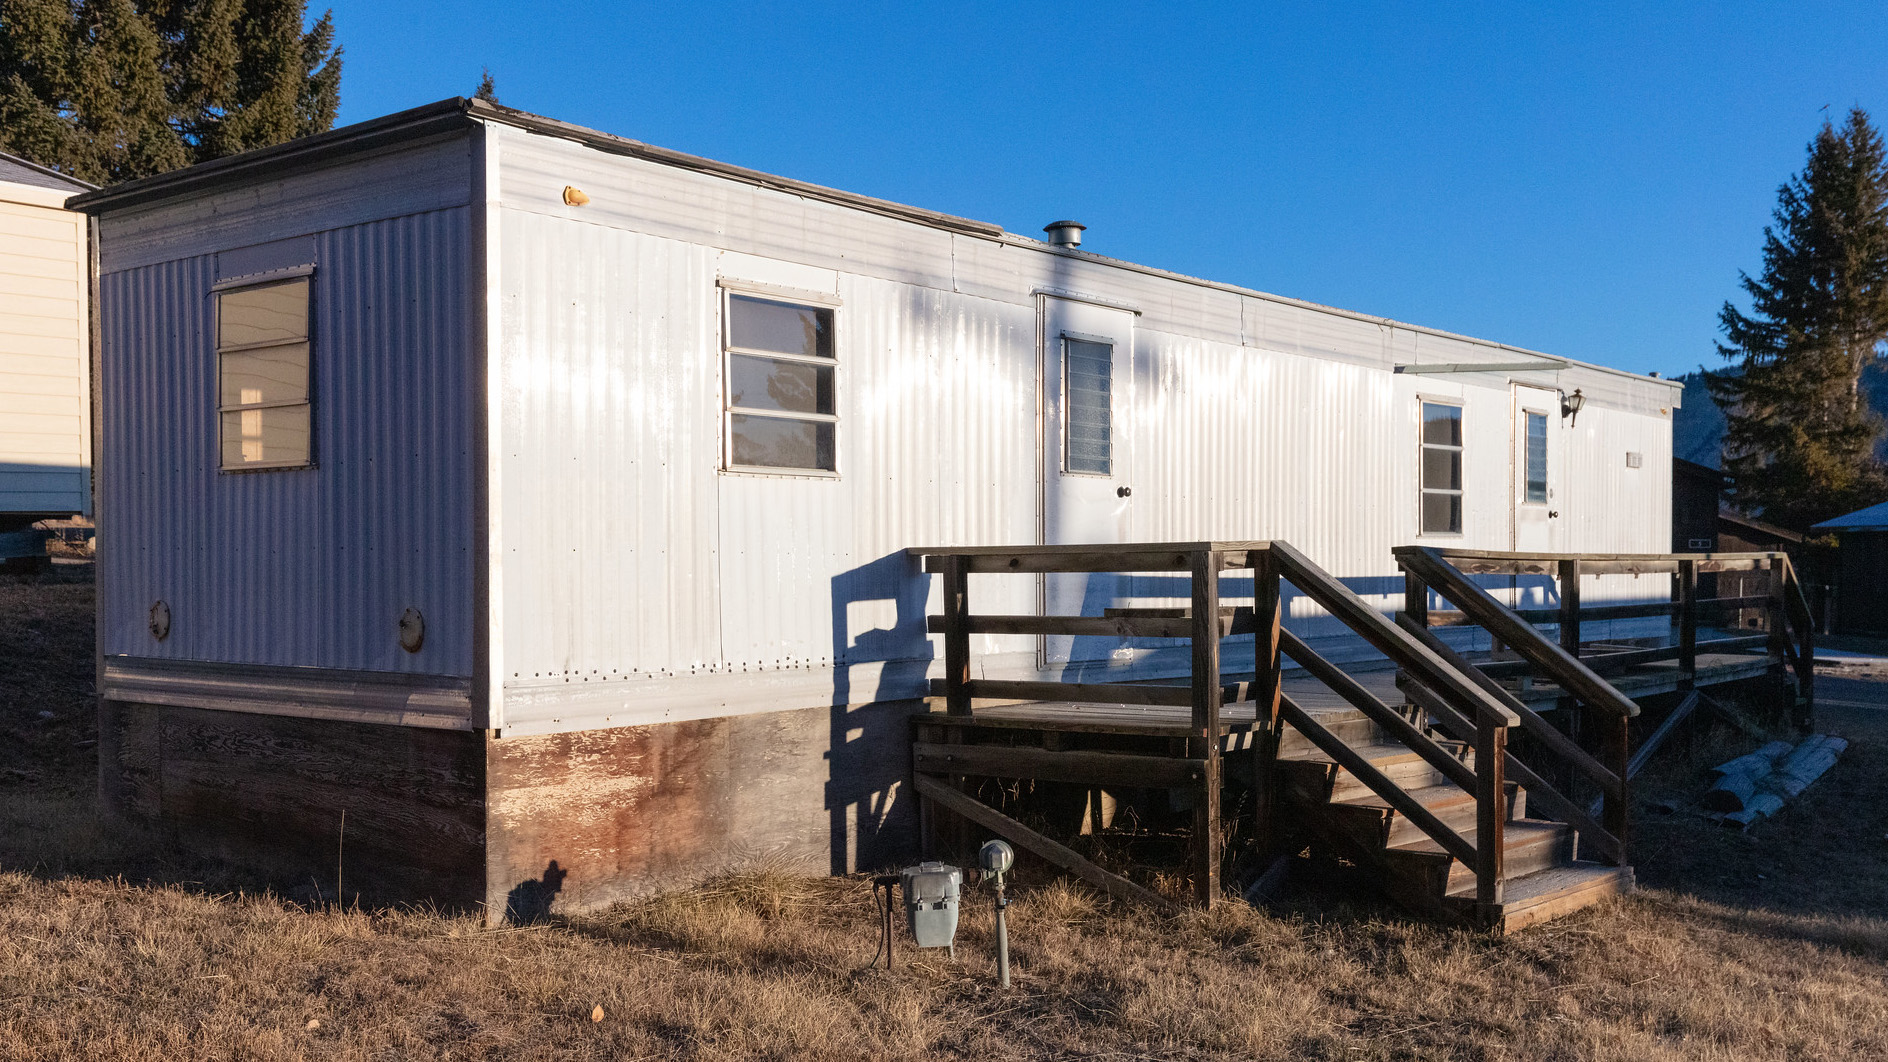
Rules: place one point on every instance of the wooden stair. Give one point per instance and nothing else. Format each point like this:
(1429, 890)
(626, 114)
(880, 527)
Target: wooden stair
(1542, 876)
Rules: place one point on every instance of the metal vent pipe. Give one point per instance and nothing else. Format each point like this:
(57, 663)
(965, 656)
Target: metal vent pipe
(1064, 233)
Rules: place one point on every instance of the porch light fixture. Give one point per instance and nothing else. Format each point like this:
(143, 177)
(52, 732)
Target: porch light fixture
(1572, 404)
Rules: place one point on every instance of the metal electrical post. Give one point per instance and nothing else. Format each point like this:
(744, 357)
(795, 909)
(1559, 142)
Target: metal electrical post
(996, 857)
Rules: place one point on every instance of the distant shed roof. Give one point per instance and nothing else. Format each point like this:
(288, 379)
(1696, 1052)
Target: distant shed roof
(1756, 526)
(19, 171)
(1873, 518)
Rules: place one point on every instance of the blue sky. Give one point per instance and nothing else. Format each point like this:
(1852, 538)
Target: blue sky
(1584, 179)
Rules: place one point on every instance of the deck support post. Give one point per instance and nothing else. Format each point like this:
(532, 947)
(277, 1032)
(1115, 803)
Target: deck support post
(1568, 572)
(956, 635)
(1687, 625)
(1618, 758)
(1805, 716)
(1205, 724)
(1267, 831)
(956, 686)
(1415, 598)
(1491, 812)
(1776, 618)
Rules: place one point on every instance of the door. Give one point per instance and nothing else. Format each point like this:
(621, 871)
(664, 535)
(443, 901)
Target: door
(1538, 459)
(1087, 353)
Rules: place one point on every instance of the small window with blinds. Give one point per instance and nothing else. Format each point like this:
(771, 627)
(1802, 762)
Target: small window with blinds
(1087, 407)
(1536, 479)
(781, 412)
(262, 352)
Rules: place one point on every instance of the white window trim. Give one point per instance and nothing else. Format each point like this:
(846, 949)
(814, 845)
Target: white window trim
(727, 288)
(1422, 447)
(245, 283)
(1084, 337)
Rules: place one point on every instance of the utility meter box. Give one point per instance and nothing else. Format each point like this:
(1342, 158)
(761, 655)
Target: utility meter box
(931, 891)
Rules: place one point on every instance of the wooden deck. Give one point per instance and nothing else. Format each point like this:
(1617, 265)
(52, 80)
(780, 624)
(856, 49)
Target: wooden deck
(1403, 768)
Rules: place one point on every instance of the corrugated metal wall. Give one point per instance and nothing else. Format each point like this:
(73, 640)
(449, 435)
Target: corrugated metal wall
(307, 568)
(634, 581)
(642, 584)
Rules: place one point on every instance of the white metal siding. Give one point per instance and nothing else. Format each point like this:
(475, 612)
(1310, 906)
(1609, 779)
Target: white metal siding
(640, 583)
(635, 582)
(45, 371)
(307, 568)
(609, 401)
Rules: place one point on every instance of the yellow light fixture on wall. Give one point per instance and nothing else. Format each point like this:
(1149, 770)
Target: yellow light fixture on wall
(573, 196)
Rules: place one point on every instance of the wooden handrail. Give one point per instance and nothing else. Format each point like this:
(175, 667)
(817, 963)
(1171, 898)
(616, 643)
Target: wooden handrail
(1540, 793)
(1453, 553)
(1382, 714)
(1500, 620)
(1497, 562)
(1389, 639)
(1531, 721)
(1443, 617)
(1394, 795)
(1608, 663)
(1179, 625)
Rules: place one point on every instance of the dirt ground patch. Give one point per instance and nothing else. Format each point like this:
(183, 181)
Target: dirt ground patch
(1766, 945)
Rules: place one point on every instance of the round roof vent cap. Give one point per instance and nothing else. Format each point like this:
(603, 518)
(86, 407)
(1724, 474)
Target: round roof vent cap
(1064, 233)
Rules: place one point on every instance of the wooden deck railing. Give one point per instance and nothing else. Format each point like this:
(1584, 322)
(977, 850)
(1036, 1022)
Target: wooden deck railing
(1480, 708)
(1567, 662)
(1788, 635)
(1203, 624)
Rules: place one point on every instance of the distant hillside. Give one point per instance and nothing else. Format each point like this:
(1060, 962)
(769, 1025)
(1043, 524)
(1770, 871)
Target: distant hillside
(1698, 429)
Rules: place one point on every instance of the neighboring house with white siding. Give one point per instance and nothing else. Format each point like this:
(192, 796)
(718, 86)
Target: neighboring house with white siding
(45, 354)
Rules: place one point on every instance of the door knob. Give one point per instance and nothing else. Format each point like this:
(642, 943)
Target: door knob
(1551, 514)
(1122, 492)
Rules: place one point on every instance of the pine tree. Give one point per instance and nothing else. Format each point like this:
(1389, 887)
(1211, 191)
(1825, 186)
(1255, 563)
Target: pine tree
(110, 90)
(487, 90)
(1799, 437)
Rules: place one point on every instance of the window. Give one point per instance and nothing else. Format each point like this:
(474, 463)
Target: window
(1442, 469)
(781, 410)
(1088, 406)
(262, 375)
(1536, 482)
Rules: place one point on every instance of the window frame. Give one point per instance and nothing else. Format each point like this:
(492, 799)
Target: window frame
(1067, 421)
(1423, 446)
(726, 290)
(248, 282)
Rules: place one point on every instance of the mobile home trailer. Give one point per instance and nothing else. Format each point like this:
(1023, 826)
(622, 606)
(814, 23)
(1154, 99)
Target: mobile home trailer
(541, 498)
(45, 357)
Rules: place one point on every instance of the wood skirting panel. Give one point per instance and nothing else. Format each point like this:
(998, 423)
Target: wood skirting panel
(267, 792)
(525, 826)
(581, 820)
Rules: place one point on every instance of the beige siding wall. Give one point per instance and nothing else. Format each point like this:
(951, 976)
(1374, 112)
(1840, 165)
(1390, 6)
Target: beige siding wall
(45, 434)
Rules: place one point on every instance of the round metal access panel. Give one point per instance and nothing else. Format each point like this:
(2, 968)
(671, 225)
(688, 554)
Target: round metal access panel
(412, 630)
(160, 620)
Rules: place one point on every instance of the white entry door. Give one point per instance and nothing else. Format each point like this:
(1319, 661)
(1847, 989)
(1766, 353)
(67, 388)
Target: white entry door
(1087, 356)
(1539, 454)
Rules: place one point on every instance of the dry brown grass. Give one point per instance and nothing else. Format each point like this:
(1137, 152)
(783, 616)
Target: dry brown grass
(173, 961)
